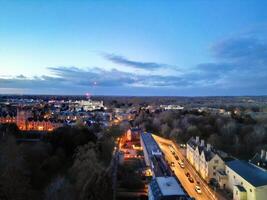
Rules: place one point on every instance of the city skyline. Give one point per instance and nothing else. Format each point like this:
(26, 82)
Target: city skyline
(158, 48)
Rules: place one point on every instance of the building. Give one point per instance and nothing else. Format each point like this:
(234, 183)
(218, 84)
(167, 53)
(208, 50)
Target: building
(204, 158)
(150, 148)
(7, 118)
(26, 122)
(247, 181)
(171, 107)
(260, 159)
(133, 134)
(164, 185)
(162, 188)
(22, 117)
(89, 105)
(42, 125)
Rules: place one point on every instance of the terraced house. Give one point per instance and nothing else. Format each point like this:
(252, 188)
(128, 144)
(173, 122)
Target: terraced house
(204, 158)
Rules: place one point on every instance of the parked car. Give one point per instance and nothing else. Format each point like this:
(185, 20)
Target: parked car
(181, 165)
(198, 189)
(191, 180)
(176, 157)
(172, 164)
(187, 174)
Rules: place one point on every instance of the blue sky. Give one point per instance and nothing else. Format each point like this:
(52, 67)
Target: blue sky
(120, 47)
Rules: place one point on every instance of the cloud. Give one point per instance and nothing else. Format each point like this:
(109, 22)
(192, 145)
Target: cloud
(135, 64)
(243, 48)
(76, 80)
(240, 64)
(239, 67)
(21, 76)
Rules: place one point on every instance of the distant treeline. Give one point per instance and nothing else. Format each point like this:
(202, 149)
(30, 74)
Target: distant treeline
(236, 134)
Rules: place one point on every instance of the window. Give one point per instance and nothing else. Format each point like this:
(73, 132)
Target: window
(241, 183)
(250, 190)
(216, 161)
(214, 173)
(234, 177)
(214, 167)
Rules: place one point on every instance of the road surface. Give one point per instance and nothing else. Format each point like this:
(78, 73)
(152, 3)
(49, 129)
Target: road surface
(207, 193)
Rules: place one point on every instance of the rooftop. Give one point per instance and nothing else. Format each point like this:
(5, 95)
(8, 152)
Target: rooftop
(251, 173)
(150, 143)
(209, 154)
(169, 186)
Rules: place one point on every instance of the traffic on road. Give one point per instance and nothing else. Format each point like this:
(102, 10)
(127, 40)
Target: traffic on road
(191, 182)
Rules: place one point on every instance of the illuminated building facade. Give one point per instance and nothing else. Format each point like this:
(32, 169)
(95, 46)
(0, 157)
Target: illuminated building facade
(25, 122)
(204, 159)
(247, 181)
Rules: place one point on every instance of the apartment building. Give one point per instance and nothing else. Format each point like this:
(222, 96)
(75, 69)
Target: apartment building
(246, 180)
(204, 158)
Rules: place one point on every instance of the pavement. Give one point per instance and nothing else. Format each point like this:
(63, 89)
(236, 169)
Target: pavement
(206, 192)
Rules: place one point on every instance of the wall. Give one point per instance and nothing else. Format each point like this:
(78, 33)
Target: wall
(238, 180)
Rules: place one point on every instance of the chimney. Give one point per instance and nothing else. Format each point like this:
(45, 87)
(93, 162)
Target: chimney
(202, 143)
(208, 147)
(262, 154)
(197, 139)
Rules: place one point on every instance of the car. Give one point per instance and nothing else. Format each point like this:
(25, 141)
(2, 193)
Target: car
(187, 174)
(191, 180)
(181, 165)
(198, 189)
(176, 157)
(172, 164)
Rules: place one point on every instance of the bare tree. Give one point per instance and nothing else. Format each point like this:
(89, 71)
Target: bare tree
(59, 189)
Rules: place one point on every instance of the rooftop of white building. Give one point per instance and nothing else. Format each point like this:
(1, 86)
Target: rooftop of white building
(169, 186)
(251, 173)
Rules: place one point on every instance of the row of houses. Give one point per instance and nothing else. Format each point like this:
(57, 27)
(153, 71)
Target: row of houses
(244, 179)
(25, 122)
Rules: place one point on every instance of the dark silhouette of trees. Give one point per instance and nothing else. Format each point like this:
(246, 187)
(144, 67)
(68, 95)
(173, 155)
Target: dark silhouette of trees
(14, 176)
(68, 138)
(66, 164)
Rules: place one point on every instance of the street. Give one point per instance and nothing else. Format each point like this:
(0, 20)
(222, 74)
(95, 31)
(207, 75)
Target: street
(206, 192)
